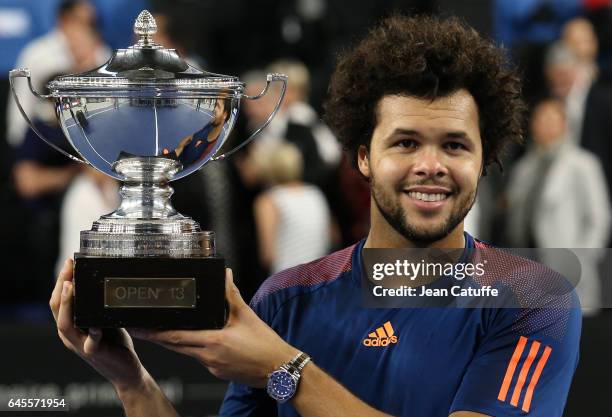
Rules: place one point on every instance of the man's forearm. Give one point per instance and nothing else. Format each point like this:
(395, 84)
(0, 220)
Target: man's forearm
(146, 400)
(319, 395)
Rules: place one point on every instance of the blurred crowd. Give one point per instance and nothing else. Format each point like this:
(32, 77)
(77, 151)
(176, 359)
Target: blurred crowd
(291, 196)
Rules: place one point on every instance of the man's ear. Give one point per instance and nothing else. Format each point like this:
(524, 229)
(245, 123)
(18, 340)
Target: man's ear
(363, 161)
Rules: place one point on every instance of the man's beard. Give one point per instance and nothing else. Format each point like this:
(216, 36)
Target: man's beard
(395, 215)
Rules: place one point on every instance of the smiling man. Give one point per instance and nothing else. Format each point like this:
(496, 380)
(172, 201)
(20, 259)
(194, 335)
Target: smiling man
(423, 105)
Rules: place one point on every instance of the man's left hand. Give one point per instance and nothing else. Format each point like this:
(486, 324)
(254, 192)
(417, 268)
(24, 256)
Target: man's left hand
(246, 350)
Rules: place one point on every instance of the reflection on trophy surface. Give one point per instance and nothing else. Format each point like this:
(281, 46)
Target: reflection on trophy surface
(201, 143)
(146, 118)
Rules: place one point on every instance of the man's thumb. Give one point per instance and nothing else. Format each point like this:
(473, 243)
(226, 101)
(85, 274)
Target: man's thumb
(232, 293)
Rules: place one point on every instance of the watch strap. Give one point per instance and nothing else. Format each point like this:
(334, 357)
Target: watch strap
(298, 362)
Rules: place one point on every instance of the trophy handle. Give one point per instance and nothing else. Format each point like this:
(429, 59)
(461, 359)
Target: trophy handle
(25, 73)
(269, 79)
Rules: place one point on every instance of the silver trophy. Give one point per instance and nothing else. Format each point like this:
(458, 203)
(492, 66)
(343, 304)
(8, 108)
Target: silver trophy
(146, 117)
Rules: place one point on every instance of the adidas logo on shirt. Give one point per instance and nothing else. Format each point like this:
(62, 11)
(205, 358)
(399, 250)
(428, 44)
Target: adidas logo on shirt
(383, 336)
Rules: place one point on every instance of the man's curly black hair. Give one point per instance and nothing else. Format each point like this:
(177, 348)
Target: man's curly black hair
(425, 57)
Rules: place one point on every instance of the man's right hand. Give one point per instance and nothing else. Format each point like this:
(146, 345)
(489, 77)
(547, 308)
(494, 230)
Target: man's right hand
(110, 352)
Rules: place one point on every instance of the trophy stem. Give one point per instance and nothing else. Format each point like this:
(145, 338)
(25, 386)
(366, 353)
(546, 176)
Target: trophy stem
(146, 224)
(145, 201)
(145, 192)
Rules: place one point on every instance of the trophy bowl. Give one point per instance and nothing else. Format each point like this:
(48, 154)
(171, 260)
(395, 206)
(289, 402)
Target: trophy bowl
(106, 130)
(146, 117)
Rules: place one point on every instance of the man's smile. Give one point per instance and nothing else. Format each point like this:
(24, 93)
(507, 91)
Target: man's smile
(428, 198)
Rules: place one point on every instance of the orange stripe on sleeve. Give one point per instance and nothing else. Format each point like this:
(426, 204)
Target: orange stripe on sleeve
(516, 356)
(535, 346)
(388, 328)
(535, 378)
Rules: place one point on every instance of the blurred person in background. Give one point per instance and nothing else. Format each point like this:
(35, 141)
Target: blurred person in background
(72, 46)
(578, 35)
(554, 182)
(292, 217)
(572, 78)
(298, 110)
(557, 198)
(91, 195)
(567, 84)
(589, 102)
(40, 172)
(572, 71)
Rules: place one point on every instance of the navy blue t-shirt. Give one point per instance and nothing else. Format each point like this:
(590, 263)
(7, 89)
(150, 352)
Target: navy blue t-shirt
(418, 362)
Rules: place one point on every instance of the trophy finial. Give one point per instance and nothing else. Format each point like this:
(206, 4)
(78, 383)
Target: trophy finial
(145, 25)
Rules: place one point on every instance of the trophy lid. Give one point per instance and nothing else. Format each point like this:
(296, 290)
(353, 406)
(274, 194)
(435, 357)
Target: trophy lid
(146, 69)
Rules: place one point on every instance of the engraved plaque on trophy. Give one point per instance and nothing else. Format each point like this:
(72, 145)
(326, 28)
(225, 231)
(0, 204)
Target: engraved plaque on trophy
(146, 118)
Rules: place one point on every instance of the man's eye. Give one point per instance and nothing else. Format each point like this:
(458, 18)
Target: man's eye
(455, 146)
(407, 143)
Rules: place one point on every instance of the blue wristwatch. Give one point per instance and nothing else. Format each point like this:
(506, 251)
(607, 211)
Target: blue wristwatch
(283, 383)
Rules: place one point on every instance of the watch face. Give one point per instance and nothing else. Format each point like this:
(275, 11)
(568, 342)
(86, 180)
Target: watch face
(281, 385)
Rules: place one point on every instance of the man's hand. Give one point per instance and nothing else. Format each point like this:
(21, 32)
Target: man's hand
(246, 350)
(111, 352)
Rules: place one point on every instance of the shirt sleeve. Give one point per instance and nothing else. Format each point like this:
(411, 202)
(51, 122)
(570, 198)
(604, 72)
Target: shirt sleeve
(243, 401)
(524, 365)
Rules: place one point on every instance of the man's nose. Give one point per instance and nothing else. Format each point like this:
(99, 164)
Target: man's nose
(429, 164)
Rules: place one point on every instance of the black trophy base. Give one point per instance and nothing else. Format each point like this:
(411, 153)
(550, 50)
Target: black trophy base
(159, 293)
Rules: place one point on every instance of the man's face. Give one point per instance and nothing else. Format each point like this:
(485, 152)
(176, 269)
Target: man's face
(219, 113)
(424, 162)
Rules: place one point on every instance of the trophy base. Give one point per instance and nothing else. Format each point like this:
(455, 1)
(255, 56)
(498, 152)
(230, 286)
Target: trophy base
(153, 292)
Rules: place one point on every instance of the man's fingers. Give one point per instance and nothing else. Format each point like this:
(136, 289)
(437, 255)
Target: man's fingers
(202, 355)
(193, 338)
(65, 322)
(64, 275)
(195, 352)
(92, 341)
(232, 293)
